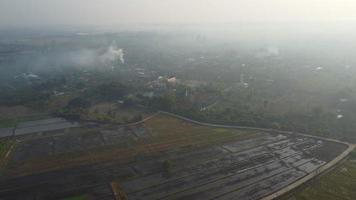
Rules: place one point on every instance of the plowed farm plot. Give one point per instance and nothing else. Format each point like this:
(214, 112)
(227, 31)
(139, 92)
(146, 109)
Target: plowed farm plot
(161, 158)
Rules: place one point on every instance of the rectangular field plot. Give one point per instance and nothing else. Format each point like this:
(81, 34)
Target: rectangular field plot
(162, 158)
(43, 125)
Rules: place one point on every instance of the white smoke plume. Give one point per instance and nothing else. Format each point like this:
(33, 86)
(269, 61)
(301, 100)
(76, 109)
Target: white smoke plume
(112, 54)
(106, 57)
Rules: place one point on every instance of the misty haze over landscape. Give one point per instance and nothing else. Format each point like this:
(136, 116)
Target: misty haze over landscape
(168, 99)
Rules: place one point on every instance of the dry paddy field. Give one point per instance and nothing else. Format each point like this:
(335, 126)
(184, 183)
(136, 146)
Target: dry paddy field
(161, 158)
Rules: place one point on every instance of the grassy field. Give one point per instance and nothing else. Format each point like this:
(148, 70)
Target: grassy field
(12, 122)
(7, 123)
(113, 112)
(2, 147)
(340, 184)
(164, 128)
(14, 112)
(5, 145)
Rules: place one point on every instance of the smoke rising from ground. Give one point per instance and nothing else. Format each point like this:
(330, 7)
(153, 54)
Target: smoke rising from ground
(100, 58)
(113, 54)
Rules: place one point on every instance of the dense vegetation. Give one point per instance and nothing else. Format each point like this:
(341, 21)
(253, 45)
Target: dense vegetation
(299, 90)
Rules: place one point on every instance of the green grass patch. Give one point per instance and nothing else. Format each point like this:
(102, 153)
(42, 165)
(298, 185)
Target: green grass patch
(5, 146)
(165, 128)
(2, 147)
(8, 123)
(339, 184)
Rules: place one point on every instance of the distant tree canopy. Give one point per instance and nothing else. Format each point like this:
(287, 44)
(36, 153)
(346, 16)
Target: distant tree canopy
(78, 102)
(128, 102)
(21, 96)
(165, 102)
(109, 91)
(74, 109)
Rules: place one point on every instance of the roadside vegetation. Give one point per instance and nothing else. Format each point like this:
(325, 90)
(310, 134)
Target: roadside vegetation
(5, 145)
(2, 147)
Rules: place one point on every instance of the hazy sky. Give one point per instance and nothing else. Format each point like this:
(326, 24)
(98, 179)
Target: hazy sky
(114, 12)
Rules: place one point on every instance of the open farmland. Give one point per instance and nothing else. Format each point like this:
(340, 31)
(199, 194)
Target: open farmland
(338, 184)
(161, 158)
